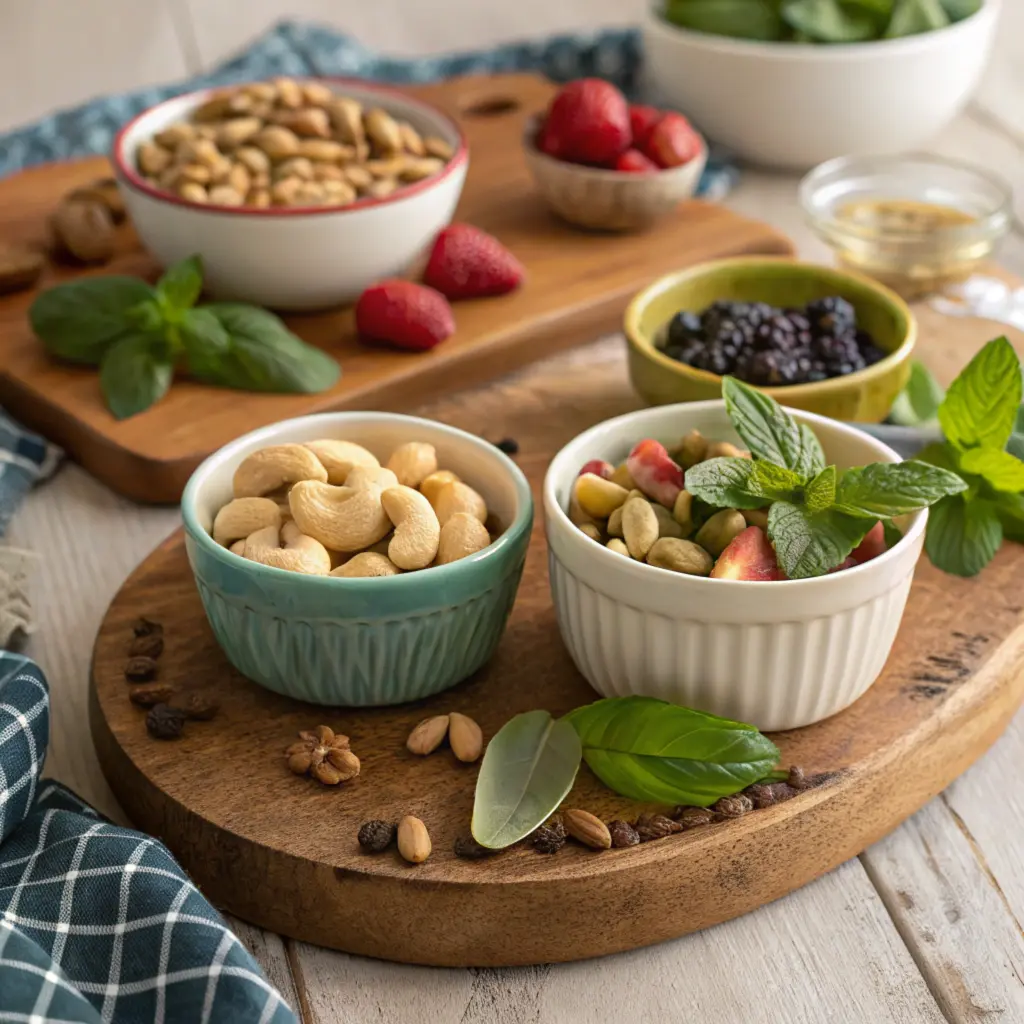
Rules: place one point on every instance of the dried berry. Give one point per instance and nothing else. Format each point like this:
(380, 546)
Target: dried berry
(693, 817)
(468, 847)
(199, 707)
(797, 779)
(150, 694)
(623, 834)
(146, 627)
(165, 722)
(508, 445)
(324, 755)
(149, 645)
(732, 806)
(550, 838)
(655, 826)
(140, 669)
(377, 835)
(763, 794)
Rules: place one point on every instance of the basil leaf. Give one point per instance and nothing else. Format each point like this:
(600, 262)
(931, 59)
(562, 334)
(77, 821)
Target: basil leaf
(203, 334)
(181, 285)
(829, 21)
(821, 491)
(147, 317)
(725, 483)
(81, 319)
(980, 408)
(135, 372)
(767, 429)
(741, 19)
(647, 749)
(893, 534)
(810, 544)
(911, 17)
(528, 769)
(1002, 470)
(886, 489)
(963, 537)
(918, 403)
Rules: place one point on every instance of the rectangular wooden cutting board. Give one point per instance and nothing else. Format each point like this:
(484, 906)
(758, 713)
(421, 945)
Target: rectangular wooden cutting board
(578, 286)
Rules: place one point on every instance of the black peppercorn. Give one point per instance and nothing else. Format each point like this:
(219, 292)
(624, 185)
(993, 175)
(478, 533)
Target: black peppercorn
(165, 722)
(655, 826)
(508, 445)
(468, 847)
(732, 806)
(377, 835)
(763, 794)
(623, 834)
(549, 838)
(140, 669)
(693, 817)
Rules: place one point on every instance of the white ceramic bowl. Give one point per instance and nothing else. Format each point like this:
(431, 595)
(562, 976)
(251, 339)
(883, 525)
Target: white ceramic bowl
(294, 257)
(794, 105)
(778, 655)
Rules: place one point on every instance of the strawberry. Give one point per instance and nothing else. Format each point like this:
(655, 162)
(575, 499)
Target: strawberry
(467, 263)
(587, 123)
(641, 120)
(406, 314)
(634, 162)
(672, 142)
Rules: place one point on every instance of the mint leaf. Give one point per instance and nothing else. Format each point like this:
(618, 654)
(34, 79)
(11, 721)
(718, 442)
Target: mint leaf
(811, 460)
(963, 537)
(767, 429)
(886, 489)
(918, 403)
(136, 372)
(1002, 470)
(829, 21)
(744, 19)
(202, 333)
(821, 491)
(775, 483)
(911, 17)
(810, 544)
(725, 483)
(980, 408)
(180, 286)
(1010, 509)
(893, 534)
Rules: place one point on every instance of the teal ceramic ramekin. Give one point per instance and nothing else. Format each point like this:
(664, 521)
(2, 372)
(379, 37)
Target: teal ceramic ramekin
(361, 642)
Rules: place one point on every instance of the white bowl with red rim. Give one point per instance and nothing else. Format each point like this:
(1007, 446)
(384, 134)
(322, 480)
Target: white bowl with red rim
(294, 257)
(779, 654)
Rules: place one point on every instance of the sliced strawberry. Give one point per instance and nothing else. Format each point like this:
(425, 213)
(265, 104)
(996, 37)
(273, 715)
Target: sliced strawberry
(587, 123)
(749, 556)
(634, 162)
(641, 120)
(405, 314)
(672, 141)
(467, 263)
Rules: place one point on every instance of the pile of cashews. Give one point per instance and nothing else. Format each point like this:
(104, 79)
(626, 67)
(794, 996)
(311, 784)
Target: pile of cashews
(329, 508)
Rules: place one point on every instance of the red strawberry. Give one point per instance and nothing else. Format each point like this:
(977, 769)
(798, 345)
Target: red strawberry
(641, 120)
(405, 314)
(467, 263)
(587, 123)
(634, 162)
(672, 142)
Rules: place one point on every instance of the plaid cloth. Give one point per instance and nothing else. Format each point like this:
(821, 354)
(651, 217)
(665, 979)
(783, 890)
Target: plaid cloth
(297, 49)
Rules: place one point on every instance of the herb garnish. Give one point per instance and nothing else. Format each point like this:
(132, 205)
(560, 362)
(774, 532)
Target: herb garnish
(818, 514)
(139, 334)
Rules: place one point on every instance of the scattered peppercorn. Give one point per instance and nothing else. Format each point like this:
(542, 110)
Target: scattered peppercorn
(655, 826)
(148, 695)
(763, 794)
(199, 707)
(149, 645)
(468, 847)
(693, 817)
(797, 779)
(376, 835)
(550, 838)
(140, 669)
(146, 627)
(165, 722)
(508, 445)
(732, 806)
(623, 834)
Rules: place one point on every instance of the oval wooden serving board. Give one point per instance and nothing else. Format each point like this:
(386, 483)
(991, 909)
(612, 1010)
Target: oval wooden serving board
(281, 851)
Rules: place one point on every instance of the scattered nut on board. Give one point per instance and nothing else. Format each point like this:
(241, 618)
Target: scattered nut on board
(465, 737)
(413, 840)
(20, 268)
(428, 735)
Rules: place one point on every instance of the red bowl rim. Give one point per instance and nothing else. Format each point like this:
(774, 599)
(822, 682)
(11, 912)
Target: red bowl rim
(131, 177)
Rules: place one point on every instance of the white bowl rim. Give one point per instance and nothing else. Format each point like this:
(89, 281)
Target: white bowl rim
(367, 586)
(640, 570)
(788, 51)
(131, 178)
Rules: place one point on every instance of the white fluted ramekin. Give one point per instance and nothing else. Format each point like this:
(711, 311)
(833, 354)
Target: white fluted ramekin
(776, 654)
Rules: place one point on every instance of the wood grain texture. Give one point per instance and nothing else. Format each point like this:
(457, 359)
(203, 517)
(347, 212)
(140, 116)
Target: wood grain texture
(578, 285)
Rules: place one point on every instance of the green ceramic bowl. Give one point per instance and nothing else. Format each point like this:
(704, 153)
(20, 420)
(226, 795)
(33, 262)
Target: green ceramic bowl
(865, 396)
(359, 642)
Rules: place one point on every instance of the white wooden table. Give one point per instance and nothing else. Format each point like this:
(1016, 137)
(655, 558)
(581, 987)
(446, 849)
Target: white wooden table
(926, 926)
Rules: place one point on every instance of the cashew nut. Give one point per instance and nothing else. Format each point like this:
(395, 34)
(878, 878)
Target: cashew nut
(413, 462)
(287, 548)
(270, 468)
(459, 497)
(431, 486)
(462, 535)
(417, 530)
(367, 564)
(371, 476)
(341, 518)
(242, 516)
(339, 457)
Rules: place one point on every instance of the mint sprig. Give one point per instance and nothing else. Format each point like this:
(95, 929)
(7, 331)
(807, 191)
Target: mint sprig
(139, 335)
(818, 514)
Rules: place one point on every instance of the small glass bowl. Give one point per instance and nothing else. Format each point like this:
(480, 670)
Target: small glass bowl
(916, 223)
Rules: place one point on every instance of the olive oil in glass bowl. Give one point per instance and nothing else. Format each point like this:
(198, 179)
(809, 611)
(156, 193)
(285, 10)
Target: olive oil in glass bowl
(916, 223)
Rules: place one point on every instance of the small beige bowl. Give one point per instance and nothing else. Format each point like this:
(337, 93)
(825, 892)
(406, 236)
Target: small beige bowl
(592, 197)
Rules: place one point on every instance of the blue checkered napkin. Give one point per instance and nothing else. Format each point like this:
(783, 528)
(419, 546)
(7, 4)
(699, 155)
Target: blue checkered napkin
(297, 49)
(98, 923)
(24, 459)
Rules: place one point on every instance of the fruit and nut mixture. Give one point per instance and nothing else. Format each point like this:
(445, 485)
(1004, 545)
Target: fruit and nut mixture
(329, 508)
(772, 347)
(288, 143)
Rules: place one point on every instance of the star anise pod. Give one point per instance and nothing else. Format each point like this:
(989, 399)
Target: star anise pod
(323, 755)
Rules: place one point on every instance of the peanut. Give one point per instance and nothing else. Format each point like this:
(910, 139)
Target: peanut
(413, 840)
(725, 450)
(621, 476)
(680, 556)
(465, 737)
(715, 535)
(598, 497)
(639, 527)
(682, 512)
(667, 525)
(592, 530)
(619, 547)
(756, 517)
(691, 449)
(428, 735)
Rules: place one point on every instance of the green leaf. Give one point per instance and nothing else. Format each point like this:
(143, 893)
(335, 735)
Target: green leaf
(181, 285)
(886, 489)
(725, 483)
(742, 19)
(957, 10)
(528, 769)
(821, 491)
(203, 333)
(941, 454)
(893, 534)
(812, 544)
(980, 408)
(81, 320)
(1002, 470)
(911, 17)
(147, 317)
(963, 537)
(1010, 509)
(775, 482)
(918, 403)
(646, 749)
(830, 21)
(811, 460)
(135, 373)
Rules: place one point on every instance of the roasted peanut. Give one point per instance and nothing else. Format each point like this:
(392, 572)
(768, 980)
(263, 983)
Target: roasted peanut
(465, 737)
(714, 536)
(756, 517)
(428, 735)
(682, 512)
(591, 530)
(621, 476)
(725, 450)
(598, 497)
(619, 547)
(413, 840)
(667, 525)
(680, 556)
(639, 527)
(691, 449)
